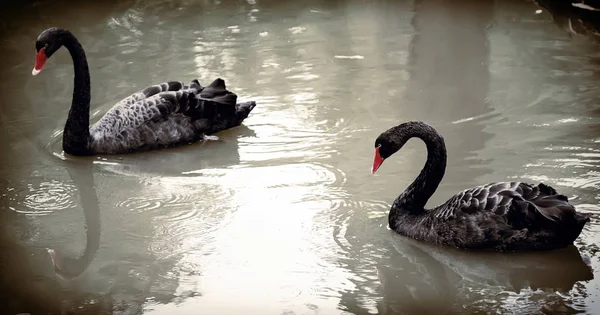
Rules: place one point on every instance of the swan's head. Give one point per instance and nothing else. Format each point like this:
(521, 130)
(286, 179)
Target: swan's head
(384, 148)
(47, 43)
(393, 139)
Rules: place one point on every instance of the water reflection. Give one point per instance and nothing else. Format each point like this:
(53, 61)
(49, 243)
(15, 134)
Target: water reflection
(449, 85)
(414, 277)
(67, 267)
(38, 289)
(471, 281)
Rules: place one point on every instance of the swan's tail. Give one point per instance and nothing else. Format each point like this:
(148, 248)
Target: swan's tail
(217, 105)
(560, 216)
(573, 230)
(242, 110)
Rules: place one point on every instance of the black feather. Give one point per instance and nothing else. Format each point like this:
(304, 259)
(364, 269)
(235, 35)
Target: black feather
(171, 114)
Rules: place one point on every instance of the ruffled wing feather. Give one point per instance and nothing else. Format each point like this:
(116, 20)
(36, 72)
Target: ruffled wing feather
(521, 204)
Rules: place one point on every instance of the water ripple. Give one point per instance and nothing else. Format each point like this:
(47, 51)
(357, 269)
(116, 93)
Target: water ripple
(140, 203)
(42, 198)
(172, 195)
(577, 168)
(296, 175)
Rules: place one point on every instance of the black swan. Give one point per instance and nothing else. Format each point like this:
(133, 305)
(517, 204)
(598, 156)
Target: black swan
(159, 116)
(504, 216)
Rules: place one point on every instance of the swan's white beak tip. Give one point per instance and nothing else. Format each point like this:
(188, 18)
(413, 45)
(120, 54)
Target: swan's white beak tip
(35, 72)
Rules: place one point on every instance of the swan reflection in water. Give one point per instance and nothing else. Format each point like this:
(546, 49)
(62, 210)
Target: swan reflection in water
(29, 283)
(178, 164)
(66, 267)
(420, 278)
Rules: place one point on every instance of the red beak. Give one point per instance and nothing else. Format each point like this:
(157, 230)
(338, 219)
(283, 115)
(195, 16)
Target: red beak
(40, 60)
(377, 161)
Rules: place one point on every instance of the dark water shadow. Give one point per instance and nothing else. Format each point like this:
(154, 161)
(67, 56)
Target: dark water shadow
(574, 20)
(427, 278)
(449, 85)
(510, 271)
(419, 278)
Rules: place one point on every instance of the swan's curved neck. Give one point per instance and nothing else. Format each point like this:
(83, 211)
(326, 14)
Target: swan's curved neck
(76, 134)
(415, 196)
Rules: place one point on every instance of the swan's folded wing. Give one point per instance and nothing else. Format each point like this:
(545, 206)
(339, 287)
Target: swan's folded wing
(214, 106)
(520, 203)
(154, 103)
(493, 197)
(149, 92)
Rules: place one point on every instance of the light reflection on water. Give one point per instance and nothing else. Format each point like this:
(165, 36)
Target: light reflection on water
(281, 215)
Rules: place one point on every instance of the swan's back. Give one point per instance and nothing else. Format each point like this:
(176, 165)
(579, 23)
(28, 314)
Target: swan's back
(503, 216)
(167, 114)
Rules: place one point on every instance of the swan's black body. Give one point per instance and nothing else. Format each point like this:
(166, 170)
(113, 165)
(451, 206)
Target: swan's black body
(505, 216)
(159, 116)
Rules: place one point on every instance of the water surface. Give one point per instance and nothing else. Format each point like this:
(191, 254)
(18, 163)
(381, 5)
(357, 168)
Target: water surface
(282, 216)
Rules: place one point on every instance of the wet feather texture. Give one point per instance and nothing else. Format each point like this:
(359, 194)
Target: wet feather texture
(167, 114)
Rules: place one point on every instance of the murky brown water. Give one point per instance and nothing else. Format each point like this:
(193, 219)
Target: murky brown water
(282, 216)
